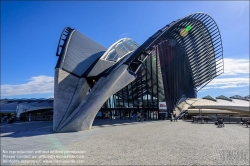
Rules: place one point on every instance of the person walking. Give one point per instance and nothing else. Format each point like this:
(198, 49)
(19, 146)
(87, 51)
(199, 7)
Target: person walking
(171, 115)
(145, 116)
(138, 116)
(134, 115)
(29, 117)
(175, 117)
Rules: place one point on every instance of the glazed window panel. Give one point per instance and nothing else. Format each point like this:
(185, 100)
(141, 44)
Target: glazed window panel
(112, 56)
(122, 47)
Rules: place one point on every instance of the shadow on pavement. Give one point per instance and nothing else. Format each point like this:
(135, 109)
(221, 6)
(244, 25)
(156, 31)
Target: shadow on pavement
(34, 128)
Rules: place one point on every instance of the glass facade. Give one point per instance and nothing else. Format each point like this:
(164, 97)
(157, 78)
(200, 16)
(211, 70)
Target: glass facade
(141, 95)
(169, 67)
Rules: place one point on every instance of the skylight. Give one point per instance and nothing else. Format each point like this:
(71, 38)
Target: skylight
(209, 98)
(238, 97)
(223, 98)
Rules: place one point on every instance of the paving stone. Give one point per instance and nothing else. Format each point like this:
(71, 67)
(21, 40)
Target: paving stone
(143, 143)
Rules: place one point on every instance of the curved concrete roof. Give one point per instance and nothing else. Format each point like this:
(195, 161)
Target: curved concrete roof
(210, 111)
(78, 53)
(236, 105)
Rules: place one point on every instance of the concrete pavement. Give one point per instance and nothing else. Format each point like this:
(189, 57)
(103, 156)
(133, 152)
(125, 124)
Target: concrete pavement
(134, 143)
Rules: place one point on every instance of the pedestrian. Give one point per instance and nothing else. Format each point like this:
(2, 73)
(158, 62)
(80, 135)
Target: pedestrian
(29, 117)
(145, 116)
(138, 116)
(175, 117)
(134, 116)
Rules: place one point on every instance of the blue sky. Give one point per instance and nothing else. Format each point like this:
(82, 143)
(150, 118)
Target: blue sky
(30, 32)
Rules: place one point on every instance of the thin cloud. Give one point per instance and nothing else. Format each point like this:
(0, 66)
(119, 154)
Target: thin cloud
(234, 69)
(237, 91)
(235, 66)
(223, 83)
(37, 85)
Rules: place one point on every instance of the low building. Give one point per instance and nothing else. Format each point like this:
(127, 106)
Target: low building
(224, 106)
(38, 109)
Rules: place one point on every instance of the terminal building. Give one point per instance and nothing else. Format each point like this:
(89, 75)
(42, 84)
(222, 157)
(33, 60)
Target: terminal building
(42, 109)
(167, 69)
(156, 78)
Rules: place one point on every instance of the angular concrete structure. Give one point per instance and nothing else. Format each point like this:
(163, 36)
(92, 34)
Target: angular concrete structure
(79, 84)
(171, 66)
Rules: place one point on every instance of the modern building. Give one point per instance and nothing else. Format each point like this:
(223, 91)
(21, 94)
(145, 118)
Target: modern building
(170, 67)
(42, 109)
(39, 109)
(235, 106)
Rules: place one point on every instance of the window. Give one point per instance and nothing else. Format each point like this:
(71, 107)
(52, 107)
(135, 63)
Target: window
(112, 56)
(131, 44)
(122, 47)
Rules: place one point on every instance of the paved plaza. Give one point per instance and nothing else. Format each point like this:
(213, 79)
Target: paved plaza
(125, 142)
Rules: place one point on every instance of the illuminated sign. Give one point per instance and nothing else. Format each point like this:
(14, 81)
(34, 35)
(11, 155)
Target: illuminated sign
(162, 106)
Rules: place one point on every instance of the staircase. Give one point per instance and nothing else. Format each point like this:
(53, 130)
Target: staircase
(181, 114)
